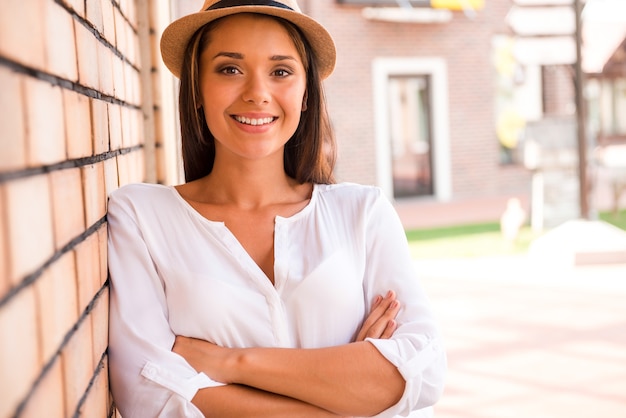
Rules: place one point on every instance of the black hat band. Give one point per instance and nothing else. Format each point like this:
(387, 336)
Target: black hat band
(222, 4)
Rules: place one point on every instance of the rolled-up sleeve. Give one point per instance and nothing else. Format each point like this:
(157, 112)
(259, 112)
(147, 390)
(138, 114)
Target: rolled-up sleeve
(416, 348)
(147, 378)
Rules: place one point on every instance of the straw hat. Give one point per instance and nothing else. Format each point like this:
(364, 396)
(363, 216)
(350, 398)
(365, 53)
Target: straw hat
(176, 36)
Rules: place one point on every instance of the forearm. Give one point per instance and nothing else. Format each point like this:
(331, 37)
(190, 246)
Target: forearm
(242, 401)
(353, 379)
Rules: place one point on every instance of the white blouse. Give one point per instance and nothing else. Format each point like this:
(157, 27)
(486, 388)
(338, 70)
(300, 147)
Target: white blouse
(174, 272)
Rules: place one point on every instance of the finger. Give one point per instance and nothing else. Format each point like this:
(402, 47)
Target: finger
(379, 307)
(377, 320)
(378, 329)
(389, 329)
(377, 301)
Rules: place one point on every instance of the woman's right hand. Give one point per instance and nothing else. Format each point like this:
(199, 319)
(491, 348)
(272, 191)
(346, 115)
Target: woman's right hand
(381, 323)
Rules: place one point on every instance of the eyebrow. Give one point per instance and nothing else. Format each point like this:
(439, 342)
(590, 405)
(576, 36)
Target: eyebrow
(234, 55)
(237, 55)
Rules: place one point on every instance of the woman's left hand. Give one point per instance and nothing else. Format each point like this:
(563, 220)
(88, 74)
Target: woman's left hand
(380, 323)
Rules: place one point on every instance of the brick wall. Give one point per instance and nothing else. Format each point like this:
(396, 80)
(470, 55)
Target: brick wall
(72, 129)
(465, 45)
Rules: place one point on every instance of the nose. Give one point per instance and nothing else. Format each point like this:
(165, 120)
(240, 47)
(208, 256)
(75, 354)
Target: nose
(256, 90)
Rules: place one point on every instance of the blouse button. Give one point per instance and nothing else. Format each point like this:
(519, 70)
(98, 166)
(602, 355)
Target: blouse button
(150, 372)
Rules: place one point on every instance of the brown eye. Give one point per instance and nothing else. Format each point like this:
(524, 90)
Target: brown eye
(282, 73)
(229, 70)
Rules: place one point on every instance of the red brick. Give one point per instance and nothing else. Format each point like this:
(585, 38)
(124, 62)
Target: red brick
(115, 126)
(77, 124)
(12, 126)
(103, 251)
(119, 90)
(48, 400)
(44, 123)
(131, 167)
(129, 9)
(29, 222)
(93, 10)
(96, 404)
(126, 113)
(22, 32)
(161, 167)
(77, 366)
(100, 126)
(5, 268)
(60, 42)
(111, 178)
(132, 46)
(138, 173)
(132, 85)
(108, 21)
(157, 93)
(19, 351)
(155, 59)
(120, 32)
(87, 270)
(123, 169)
(67, 205)
(134, 133)
(105, 67)
(58, 308)
(94, 193)
(77, 5)
(99, 321)
(87, 56)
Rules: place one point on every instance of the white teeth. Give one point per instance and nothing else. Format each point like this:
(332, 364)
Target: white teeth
(253, 122)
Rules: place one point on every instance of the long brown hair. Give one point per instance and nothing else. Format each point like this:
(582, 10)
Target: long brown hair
(309, 154)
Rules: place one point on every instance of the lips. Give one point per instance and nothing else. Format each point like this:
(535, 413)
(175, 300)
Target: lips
(254, 121)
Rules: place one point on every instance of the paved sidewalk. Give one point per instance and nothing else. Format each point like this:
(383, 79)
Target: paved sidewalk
(525, 340)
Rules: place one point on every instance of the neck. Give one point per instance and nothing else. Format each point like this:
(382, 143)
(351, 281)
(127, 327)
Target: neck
(251, 185)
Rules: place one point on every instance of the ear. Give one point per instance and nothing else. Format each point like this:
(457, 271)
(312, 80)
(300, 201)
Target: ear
(304, 100)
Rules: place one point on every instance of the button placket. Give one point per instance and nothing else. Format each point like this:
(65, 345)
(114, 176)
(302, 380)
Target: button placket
(280, 277)
(281, 264)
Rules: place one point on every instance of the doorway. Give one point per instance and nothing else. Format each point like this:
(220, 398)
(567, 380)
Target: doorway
(412, 132)
(410, 135)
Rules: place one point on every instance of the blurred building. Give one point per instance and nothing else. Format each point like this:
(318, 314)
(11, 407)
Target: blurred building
(435, 102)
(414, 103)
(429, 102)
(604, 64)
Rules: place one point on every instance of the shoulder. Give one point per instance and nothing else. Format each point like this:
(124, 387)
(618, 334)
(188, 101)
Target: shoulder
(138, 191)
(352, 197)
(135, 196)
(346, 192)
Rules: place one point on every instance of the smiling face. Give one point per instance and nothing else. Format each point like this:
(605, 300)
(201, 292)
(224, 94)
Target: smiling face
(252, 86)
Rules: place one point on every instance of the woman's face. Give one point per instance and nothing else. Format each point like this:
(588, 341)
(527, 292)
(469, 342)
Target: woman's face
(252, 84)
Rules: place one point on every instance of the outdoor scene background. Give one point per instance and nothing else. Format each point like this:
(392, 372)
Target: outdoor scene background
(418, 107)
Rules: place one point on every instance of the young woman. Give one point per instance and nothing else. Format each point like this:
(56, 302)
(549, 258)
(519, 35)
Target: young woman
(259, 288)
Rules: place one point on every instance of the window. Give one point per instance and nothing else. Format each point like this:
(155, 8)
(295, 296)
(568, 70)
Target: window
(614, 107)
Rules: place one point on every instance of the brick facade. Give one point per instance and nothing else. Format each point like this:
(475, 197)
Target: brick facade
(464, 44)
(71, 131)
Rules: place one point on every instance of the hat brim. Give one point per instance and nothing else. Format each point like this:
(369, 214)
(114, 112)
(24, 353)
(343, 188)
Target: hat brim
(176, 36)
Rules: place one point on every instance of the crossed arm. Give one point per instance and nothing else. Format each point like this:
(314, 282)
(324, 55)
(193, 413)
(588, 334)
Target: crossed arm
(348, 380)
